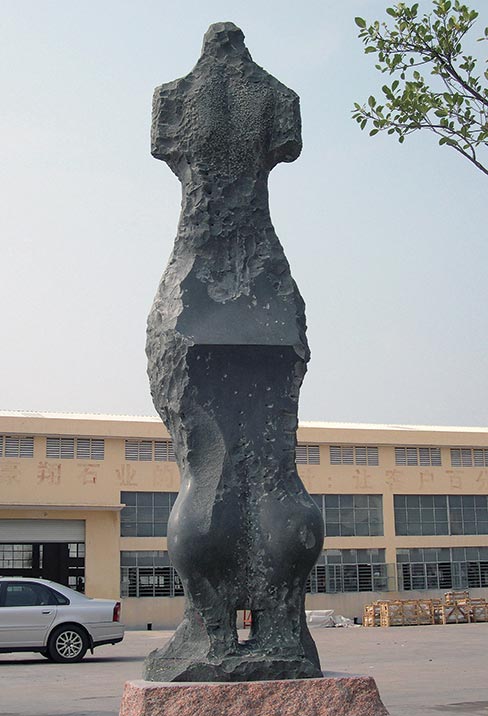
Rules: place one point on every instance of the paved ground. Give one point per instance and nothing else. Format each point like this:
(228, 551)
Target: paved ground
(420, 671)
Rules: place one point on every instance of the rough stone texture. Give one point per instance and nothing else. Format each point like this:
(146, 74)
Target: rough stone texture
(227, 354)
(340, 695)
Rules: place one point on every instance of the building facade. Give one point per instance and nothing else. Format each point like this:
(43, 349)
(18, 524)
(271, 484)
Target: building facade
(85, 500)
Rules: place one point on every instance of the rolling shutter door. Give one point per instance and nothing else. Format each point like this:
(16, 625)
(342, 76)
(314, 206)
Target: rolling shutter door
(18, 531)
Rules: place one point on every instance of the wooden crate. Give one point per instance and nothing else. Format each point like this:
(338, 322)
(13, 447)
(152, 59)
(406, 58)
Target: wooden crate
(453, 597)
(371, 615)
(479, 610)
(436, 611)
(458, 608)
(407, 612)
(368, 616)
(426, 611)
(392, 613)
(475, 607)
(457, 613)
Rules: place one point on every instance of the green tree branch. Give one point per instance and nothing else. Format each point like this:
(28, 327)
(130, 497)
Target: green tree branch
(453, 103)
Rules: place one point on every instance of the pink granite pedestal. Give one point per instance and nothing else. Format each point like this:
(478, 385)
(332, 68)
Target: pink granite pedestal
(333, 695)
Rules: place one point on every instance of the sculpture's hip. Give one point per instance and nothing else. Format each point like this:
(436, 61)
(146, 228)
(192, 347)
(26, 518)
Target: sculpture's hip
(243, 517)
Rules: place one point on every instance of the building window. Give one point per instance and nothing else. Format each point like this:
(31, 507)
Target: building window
(164, 451)
(353, 455)
(90, 449)
(146, 450)
(76, 566)
(351, 515)
(421, 515)
(148, 574)
(16, 446)
(423, 456)
(349, 570)
(441, 514)
(15, 556)
(307, 454)
(58, 448)
(442, 568)
(146, 514)
(469, 457)
(468, 514)
(76, 550)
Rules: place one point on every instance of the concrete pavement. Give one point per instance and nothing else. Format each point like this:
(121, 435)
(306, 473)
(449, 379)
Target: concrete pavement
(420, 671)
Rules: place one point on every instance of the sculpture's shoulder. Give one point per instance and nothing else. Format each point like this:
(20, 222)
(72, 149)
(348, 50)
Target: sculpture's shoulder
(259, 74)
(278, 88)
(286, 135)
(169, 92)
(167, 114)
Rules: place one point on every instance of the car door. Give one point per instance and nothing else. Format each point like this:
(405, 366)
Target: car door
(27, 610)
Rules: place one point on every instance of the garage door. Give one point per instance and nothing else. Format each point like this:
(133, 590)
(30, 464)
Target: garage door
(42, 531)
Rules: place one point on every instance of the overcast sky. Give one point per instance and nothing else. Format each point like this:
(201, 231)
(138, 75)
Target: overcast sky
(387, 242)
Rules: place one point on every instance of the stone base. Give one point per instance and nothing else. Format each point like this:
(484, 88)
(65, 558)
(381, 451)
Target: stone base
(332, 695)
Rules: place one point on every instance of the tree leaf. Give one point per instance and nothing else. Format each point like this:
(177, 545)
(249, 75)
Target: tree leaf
(360, 22)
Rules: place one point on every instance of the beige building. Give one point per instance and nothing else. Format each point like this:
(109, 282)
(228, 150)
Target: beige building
(85, 500)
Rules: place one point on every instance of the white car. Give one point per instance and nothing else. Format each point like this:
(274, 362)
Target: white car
(59, 623)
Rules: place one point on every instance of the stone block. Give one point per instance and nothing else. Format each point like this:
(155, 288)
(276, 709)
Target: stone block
(332, 695)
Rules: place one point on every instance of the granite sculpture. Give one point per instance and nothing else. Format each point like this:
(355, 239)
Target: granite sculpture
(227, 353)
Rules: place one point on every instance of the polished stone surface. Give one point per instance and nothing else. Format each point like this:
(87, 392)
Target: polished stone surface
(227, 353)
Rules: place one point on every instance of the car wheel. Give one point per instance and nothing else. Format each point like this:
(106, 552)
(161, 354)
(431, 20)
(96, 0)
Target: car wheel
(67, 644)
(45, 654)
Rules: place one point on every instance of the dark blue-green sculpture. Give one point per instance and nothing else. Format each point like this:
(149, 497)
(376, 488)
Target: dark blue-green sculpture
(227, 354)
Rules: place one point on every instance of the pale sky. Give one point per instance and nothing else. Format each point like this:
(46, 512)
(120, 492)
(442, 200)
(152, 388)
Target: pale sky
(387, 242)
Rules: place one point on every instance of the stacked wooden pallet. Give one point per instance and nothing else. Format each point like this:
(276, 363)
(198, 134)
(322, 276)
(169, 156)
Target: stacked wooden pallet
(462, 609)
(371, 614)
(453, 597)
(456, 608)
(479, 610)
(407, 612)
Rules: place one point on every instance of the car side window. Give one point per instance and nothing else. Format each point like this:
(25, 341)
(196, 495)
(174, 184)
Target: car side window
(28, 595)
(60, 598)
(19, 595)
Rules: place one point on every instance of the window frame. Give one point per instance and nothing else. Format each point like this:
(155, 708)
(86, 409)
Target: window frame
(145, 501)
(140, 581)
(466, 457)
(25, 447)
(374, 513)
(337, 568)
(344, 454)
(307, 454)
(415, 456)
(149, 450)
(67, 447)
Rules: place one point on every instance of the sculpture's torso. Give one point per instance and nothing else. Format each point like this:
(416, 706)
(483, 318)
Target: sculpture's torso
(221, 129)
